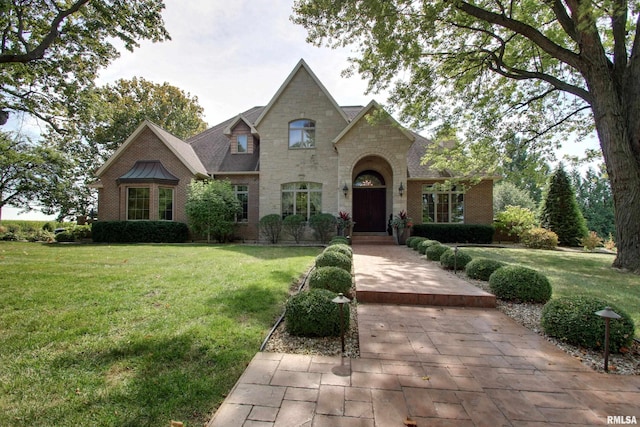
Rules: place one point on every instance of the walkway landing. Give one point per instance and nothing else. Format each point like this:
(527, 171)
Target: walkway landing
(397, 275)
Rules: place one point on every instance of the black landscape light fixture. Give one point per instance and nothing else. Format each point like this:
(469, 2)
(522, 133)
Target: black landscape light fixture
(341, 370)
(607, 314)
(401, 189)
(345, 189)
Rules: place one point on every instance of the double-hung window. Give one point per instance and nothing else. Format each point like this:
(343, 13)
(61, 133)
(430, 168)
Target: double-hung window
(138, 200)
(301, 198)
(442, 205)
(302, 134)
(242, 194)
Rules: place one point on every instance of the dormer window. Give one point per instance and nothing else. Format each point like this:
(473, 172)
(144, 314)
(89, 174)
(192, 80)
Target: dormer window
(302, 134)
(242, 142)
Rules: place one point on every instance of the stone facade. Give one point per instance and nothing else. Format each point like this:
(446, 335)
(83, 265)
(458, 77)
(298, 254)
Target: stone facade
(348, 142)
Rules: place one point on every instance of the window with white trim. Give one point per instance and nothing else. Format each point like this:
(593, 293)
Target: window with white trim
(242, 143)
(442, 205)
(165, 204)
(242, 194)
(302, 134)
(302, 198)
(138, 200)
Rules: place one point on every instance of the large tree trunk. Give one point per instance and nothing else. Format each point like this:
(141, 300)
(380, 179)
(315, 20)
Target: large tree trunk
(619, 134)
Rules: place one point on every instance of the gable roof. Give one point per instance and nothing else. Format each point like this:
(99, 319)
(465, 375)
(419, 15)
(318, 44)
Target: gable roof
(183, 151)
(301, 65)
(240, 118)
(362, 114)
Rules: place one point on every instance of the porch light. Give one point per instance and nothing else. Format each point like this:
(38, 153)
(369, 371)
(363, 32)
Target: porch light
(401, 189)
(607, 314)
(345, 190)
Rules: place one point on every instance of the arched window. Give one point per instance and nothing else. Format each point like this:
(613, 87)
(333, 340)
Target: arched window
(302, 134)
(369, 179)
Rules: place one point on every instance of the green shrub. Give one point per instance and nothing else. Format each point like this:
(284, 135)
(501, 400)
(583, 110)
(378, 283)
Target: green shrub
(343, 249)
(449, 259)
(572, 319)
(323, 225)
(416, 241)
(515, 220)
(591, 242)
(334, 259)
(294, 225)
(409, 240)
(455, 233)
(81, 232)
(522, 284)
(334, 279)
(424, 244)
(482, 268)
(339, 240)
(47, 226)
(271, 227)
(312, 313)
(65, 236)
(139, 232)
(539, 238)
(434, 252)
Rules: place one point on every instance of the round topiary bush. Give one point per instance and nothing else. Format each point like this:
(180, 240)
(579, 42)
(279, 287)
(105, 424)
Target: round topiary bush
(415, 242)
(339, 240)
(334, 279)
(434, 252)
(482, 268)
(312, 313)
(343, 249)
(517, 283)
(449, 259)
(573, 320)
(423, 245)
(409, 240)
(333, 259)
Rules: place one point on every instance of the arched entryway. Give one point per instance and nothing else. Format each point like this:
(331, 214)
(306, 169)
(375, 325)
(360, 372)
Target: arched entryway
(369, 202)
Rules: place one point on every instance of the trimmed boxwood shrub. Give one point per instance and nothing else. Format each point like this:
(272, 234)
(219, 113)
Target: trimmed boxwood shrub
(334, 279)
(271, 227)
(416, 241)
(434, 252)
(333, 259)
(323, 225)
(139, 232)
(294, 225)
(539, 238)
(343, 249)
(339, 240)
(455, 233)
(409, 240)
(449, 260)
(482, 268)
(424, 244)
(311, 313)
(522, 284)
(572, 319)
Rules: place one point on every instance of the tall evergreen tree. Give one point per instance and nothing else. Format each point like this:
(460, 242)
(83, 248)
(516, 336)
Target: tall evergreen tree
(560, 212)
(593, 193)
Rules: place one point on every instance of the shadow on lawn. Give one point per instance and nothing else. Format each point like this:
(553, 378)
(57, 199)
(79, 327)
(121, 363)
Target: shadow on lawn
(148, 380)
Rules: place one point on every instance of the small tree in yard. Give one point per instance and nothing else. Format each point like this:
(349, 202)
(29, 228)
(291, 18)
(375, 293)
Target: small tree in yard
(560, 212)
(211, 208)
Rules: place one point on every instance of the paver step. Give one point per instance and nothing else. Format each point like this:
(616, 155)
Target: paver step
(366, 239)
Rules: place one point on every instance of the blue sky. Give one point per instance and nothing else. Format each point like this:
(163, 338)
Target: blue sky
(232, 55)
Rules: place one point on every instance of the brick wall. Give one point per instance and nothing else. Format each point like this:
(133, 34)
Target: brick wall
(147, 146)
(247, 231)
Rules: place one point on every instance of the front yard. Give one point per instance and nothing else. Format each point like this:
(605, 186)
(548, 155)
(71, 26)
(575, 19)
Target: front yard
(133, 335)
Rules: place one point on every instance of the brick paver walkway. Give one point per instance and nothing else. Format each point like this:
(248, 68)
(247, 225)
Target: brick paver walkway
(435, 366)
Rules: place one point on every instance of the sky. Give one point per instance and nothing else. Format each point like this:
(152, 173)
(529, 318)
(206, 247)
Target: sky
(232, 56)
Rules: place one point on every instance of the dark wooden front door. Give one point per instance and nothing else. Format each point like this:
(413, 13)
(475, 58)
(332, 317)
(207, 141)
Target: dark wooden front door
(369, 211)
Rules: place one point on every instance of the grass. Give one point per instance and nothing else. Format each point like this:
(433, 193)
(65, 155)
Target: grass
(576, 272)
(133, 335)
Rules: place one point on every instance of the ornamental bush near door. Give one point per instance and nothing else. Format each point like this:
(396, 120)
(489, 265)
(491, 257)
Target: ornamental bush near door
(573, 320)
(343, 249)
(333, 259)
(434, 252)
(450, 260)
(424, 244)
(521, 284)
(312, 313)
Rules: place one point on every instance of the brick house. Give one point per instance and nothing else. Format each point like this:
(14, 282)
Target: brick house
(301, 153)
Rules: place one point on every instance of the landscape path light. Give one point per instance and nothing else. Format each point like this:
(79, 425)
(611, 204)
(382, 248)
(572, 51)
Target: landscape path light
(342, 370)
(607, 314)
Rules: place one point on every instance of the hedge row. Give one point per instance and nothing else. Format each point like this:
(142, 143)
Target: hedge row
(455, 233)
(139, 232)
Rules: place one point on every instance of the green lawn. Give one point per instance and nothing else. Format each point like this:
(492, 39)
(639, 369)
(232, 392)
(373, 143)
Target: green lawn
(133, 335)
(578, 272)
